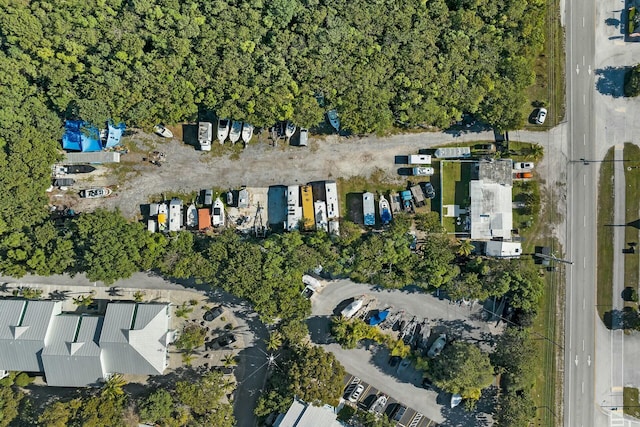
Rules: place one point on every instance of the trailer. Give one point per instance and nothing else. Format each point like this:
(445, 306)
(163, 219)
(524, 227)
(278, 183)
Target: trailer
(369, 209)
(453, 153)
(175, 214)
(331, 197)
(419, 159)
(418, 195)
(308, 217)
(294, 210)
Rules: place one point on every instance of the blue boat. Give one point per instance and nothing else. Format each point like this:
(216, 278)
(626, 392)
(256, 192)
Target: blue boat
(378, 318)
(385, 211)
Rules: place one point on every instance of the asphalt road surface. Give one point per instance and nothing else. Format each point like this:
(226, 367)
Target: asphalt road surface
(581, 315)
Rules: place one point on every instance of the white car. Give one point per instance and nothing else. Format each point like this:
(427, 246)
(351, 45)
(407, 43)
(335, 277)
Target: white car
(379, 404)
(437, 346)
(523, 165)
(355, 394)
(423, 171)
(541, 116)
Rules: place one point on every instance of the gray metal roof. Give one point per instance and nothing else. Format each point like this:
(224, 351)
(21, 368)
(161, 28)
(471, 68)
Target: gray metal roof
(73, 358)
(24, 332)
(134, 338)
(301, 414)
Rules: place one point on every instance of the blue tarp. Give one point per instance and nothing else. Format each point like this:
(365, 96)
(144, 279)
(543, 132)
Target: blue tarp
(369, 219)
(114, 135)
(79, 136)
(378, 318)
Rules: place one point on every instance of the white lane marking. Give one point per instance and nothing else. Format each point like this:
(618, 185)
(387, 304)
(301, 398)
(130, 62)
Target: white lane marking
(583, 60)
(582, 345)
(589, 70)
(583, 21)
(582, 387)
(584, 99)
(584, 139)
(589, 360)
(584, 221)
(576, 360)
(577, 69)
(584, 179)
(583, 305)
(584, 262)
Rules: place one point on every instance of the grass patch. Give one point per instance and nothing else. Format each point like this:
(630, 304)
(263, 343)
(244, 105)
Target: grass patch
(455, 177)
(632, 206)
(631, 402)
(549, 70)
(605, 236)
(349, 188)
(527, 192)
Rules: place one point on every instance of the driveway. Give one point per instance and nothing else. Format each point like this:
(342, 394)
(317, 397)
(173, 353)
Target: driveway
(370, 363)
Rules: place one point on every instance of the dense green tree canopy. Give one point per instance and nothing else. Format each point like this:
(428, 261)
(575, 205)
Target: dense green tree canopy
(377, 62)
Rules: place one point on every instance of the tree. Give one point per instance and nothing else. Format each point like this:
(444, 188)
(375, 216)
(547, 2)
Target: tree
(463, 369)
(112, 389)
(60, 414)
(632, 82)
(203, 397)
(513, 357)
(429, 222)
(84, 300)
(229, 360)
(315, 375)
(192, 337)
(274, 341)
(157, 407)
(138, 296)
(465, 248)
(515, 409)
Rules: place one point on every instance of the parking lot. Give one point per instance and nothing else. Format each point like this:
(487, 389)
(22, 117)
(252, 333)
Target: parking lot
(411, 417)
(370, 362)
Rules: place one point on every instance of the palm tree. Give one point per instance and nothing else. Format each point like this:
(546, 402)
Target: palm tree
(84, 300)
(465, 247)
(113, 387)
(535, 151)
(229, 360)
(275, 341)
(138, 295)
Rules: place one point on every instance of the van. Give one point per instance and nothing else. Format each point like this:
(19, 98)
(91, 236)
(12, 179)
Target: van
(304, 137)
(421, 171)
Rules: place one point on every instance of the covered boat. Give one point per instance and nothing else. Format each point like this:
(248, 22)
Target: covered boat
(247, 132)
(289, 130)
(332, 115)
(230, 198)
(192, 216)
(236, 130)
(378, 317)
(385, 211)
(217, 213)
(368, 209)
(223, 130)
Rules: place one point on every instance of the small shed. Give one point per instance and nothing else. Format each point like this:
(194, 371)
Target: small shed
(204, 219)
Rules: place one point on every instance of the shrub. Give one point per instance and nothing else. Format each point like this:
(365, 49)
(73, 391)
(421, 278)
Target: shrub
(632, 82)
(23, 380)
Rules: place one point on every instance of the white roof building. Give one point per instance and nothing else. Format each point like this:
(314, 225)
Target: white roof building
(331, 196)
(301, 414)
(74, 350)
(501, 249)
(491, 210)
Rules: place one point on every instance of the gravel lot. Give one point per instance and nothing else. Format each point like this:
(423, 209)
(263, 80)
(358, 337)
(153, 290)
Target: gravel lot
(371, 363)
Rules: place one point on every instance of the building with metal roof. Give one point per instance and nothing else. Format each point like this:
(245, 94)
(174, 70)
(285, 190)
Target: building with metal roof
(74, 350)
(72, 358)
(25, 329)
(134, 338)
(301, 414)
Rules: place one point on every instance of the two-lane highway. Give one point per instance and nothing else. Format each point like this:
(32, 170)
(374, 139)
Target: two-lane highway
(579, 403)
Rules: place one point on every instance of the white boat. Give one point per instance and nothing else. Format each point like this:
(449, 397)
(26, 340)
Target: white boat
(223, 130)
(217, 213)
(333, 119)
(247, 132)
(163, 131)
(236, 130)
(192, 216)
(368, 209)
(163, 217)
(95, 193)
(205, 133)
(230, 198)
(455, 400)
(289, 130)
(384, 210)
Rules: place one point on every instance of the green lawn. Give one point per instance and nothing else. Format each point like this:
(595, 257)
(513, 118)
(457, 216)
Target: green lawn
(631, 402)
(455, 177)
(605, 236)
(632, 196)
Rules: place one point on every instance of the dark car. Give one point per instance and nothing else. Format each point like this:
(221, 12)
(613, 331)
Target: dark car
(428, 190)
(394, 360)
(212, 315)
(226, 340)
(398, 412)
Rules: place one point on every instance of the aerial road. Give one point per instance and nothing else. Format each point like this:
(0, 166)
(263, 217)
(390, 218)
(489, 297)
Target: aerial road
(580, 409)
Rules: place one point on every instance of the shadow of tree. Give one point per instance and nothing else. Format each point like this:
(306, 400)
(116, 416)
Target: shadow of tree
(611, 81)
(460, 417)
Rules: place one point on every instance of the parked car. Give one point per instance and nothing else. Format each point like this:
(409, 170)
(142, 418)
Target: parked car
(437, 346)
(226, 340)
(212, 315)
(428, 190)
(523, 165)
(208, 197)
(379, 404)
(524, 175)
(355, 394)
(398, 412)
(541, 116)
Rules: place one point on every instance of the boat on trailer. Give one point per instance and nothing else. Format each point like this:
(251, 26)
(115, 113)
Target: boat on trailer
(385, 211)
(192, 216)
(236, 131)
(217, 213)
(223, 130)
(247, 132)
(332, 115)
